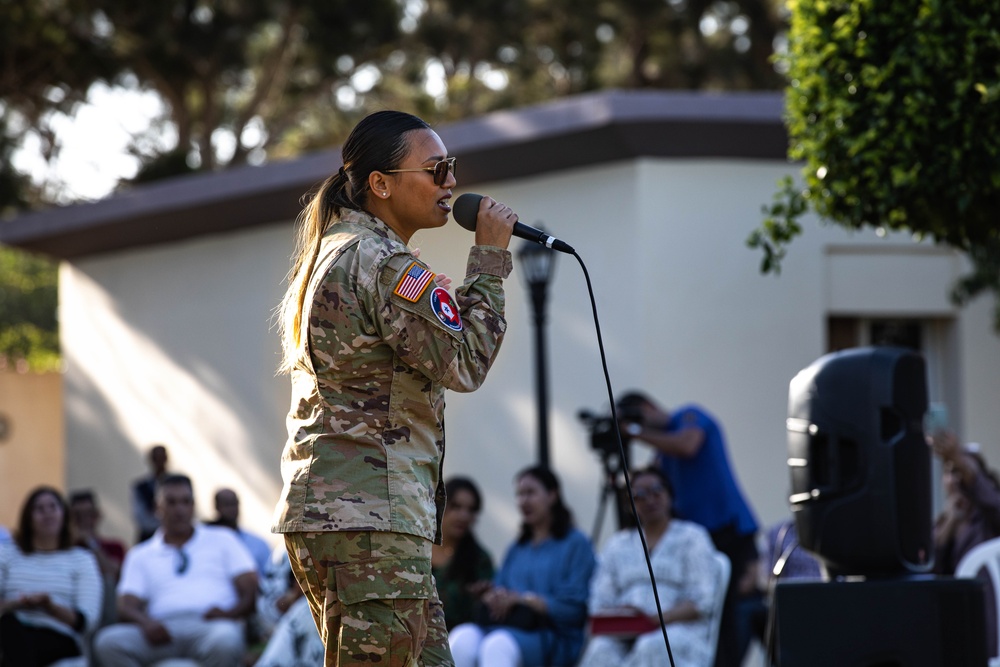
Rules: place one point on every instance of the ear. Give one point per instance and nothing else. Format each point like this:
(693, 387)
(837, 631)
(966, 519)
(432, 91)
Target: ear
(379, 184)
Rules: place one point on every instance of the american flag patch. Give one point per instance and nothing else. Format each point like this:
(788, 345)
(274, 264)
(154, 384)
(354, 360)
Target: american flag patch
(414, 282)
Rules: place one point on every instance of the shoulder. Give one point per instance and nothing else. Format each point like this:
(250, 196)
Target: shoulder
(218, 535)
(9, 553)
(140, 551)
(619, 540)
(576, 539)
(691, 532)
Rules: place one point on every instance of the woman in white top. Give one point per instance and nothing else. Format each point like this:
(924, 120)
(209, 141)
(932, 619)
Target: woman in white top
(50, 590)
(686, 581)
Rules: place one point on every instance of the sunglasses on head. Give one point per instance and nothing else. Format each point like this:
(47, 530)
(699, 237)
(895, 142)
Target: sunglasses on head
(441, 169)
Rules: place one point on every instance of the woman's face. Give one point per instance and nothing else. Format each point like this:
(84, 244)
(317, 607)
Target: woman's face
(652, 501)
(47, 516)
(414, 200)
(534, 501)
(459, 514)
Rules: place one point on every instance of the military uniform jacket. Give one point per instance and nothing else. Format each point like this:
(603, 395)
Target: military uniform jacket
(366, 424)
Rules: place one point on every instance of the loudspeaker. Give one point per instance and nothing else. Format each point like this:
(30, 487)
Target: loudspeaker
(906, 622)
(859, 464)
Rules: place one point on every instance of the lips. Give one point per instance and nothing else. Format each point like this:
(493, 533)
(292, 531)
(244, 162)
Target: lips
(444, 203)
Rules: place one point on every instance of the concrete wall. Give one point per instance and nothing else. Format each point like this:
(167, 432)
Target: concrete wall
(31, 438)
(173, 344)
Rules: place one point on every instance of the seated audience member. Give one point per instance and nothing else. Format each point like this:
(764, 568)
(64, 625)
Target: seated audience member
(971, 513)
(50, 591)
(144, 494)
(692, 450)
(109, 552)
(534, 614)
(686, 581)
(285, 619)
(972, 502)
(462, 568)
(184, 593)
(787, 558)
(227, 510)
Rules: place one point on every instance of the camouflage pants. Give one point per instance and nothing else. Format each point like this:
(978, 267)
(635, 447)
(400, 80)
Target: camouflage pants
(373, 598)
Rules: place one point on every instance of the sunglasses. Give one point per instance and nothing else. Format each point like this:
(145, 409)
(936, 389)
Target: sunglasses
(182, 563)
(441, 169)
(640, 494)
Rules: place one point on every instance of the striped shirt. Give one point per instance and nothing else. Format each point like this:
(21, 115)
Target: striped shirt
(70, 577)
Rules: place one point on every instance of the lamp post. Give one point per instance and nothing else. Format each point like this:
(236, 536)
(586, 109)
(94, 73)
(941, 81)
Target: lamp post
(538, 264)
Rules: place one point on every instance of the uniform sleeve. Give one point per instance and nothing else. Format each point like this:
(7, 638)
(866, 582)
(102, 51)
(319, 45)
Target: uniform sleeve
(451, 340)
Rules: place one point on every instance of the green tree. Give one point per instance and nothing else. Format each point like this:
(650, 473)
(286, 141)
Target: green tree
(894, 108)
(28, 330)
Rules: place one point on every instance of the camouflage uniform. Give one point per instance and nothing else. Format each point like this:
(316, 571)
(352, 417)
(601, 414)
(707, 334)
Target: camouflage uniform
(366, 433)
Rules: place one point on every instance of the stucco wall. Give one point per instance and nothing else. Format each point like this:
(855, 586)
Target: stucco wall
(31, 444)
(173, 344)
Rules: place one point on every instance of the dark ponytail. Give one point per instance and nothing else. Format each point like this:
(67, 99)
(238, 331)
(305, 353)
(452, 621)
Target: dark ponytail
(377, 143)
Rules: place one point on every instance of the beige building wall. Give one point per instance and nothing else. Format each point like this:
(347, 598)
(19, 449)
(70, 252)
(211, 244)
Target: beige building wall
(31, 438)
(174, 343)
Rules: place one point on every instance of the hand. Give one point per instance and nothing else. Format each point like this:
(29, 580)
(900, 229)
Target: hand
(945, 445)
(478, 588)
(499, 601)
(39, 601)
(494, 223)
(155, 633)
(442, 281)
(215, 612)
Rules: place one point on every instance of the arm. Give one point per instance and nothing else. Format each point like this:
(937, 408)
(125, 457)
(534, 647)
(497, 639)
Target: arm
(246, 592)
(132, 609)
(567, 603)
(682, 611)
(604, 590)
(457, 356)
(684, 443)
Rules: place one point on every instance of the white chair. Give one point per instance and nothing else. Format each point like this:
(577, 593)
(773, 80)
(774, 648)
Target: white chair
(985, 557)
(724, 568)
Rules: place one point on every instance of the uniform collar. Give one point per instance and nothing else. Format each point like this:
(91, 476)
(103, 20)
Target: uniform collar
(366, 219)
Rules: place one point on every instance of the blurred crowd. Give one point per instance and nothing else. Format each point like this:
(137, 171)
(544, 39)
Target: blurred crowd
(218, 595)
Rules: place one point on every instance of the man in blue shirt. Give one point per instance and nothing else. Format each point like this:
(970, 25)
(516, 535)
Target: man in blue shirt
(692, 453)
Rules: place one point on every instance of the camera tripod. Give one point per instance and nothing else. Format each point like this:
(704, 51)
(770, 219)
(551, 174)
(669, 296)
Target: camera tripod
(613, 486)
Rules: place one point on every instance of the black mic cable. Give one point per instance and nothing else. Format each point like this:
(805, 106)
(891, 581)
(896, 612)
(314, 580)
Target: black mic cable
(465, 210)
(624, 461)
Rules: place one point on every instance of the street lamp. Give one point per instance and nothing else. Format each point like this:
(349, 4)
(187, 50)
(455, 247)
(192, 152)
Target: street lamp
(538, 265)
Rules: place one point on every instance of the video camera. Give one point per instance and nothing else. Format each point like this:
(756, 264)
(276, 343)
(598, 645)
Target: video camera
(602, 428)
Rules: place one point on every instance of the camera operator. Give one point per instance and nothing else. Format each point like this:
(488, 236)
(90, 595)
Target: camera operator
(691, 451)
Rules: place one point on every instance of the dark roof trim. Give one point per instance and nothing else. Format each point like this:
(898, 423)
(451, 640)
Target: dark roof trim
(584, 130)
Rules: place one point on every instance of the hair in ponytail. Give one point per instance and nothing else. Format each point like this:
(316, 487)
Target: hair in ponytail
(377, 143)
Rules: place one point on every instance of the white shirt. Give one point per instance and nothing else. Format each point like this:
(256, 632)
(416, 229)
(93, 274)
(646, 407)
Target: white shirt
(70, 577)
(186, 580)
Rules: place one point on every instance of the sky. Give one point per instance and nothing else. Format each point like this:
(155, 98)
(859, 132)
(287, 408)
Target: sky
(94, 156)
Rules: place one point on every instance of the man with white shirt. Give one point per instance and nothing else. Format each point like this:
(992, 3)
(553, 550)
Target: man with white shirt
(184, 593)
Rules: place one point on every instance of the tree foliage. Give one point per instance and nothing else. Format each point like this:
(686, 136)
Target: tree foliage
(28, 329)
(894, 108)
(248, 80)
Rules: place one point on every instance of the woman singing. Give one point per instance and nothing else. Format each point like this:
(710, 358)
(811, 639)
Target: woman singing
(371, 339)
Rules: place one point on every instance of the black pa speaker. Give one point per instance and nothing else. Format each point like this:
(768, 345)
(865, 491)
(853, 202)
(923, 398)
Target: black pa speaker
(859, 464)
(903, 622)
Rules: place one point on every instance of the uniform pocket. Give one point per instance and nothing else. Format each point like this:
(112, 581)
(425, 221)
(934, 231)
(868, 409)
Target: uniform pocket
(384, 607)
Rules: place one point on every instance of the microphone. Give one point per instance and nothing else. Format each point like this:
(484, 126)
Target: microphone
(466, 210)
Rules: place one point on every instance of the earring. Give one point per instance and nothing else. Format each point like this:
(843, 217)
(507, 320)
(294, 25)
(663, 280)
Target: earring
(385, 194)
